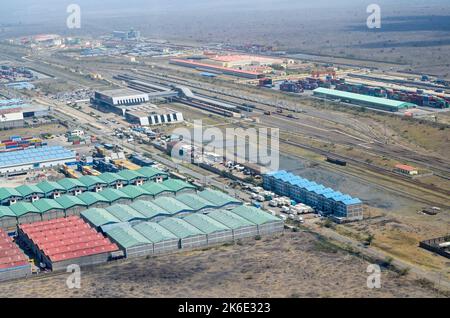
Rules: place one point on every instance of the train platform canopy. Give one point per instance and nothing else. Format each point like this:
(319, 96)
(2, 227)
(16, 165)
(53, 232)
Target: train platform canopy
(205, 223)
(218, 198)
(49, 187)
(154, 232)
(180, 228)
(255, 215)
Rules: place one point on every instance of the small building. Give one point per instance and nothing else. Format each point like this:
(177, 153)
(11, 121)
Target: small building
(219, 199)
(94, 200)
(266, 222)
(49, 209)
(405, 169)
(93, 183)
(173, 206)
(153, 174)
(72, 186)
(158, 190)
(9, 196)
(116, 196)
(137, 193)
(189, 236)
(51, 190)
(132, 177)
(163, 240)
(130, 241)
(30, 192)
(8, 219)
(113, 180)
(26, 212)
(179, 186)
(196, 202)
(241, 228)
(150, 210)
(71, 204)
(216, 232)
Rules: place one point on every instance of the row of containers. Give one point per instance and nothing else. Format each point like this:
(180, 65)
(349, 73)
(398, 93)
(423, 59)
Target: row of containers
(418, 97)
(18, 143)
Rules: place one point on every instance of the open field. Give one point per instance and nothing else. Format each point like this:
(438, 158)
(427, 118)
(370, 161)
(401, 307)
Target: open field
(291, 265)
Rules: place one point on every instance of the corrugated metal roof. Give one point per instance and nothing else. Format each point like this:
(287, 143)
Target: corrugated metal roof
(154, 232)
(364, 98)
(150, 172)
(69, 201)
(90, 181)
(125, 213)
(44, 205)
(111, 177)
(33, 155)
(180, 228)
(230, 219)
(6, 193)
(114, 194)
(127, 237)
(50, 186)
(22, 208)
(130, 175)
(155, 188)
(92, 197)
(6, 212)
(172, 205)
(255, 215)
(195, 201)
(177, 185)
(69, 184)
(205, 224)
(99, 217)
(218, 198)
(134, 191)
(149, 209)
(28, 189)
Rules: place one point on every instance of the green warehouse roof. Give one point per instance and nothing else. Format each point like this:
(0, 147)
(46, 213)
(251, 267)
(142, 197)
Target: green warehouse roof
(180, 228)
(6, 212)
(99, 217)
(114, 195)
(217, 197)
(364, 98)
(92, 197)
(154, 232)
(6, 193)
(134, 191)
(130, 175)
(150, 172)
(255, 215)
(230, 219)
(125, 213)
(22, 208)
(49, 186)
(177, 185)
(28, 189)
(194, 201)
(172, 205)
(205, 224)
(69, 201)
(127, 237)
(44, 205)
(149, 209)
(111, 177)
(90, 181)
(69, 184)
(156, 188)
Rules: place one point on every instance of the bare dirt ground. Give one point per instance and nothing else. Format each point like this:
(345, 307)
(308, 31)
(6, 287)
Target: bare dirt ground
(290, 265)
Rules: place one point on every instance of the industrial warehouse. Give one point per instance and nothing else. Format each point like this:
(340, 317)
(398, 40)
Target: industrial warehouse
(14, 112)
(363, 100)
(341, 207)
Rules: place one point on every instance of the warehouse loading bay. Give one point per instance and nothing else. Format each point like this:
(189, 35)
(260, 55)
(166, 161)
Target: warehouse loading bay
(365, 175)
